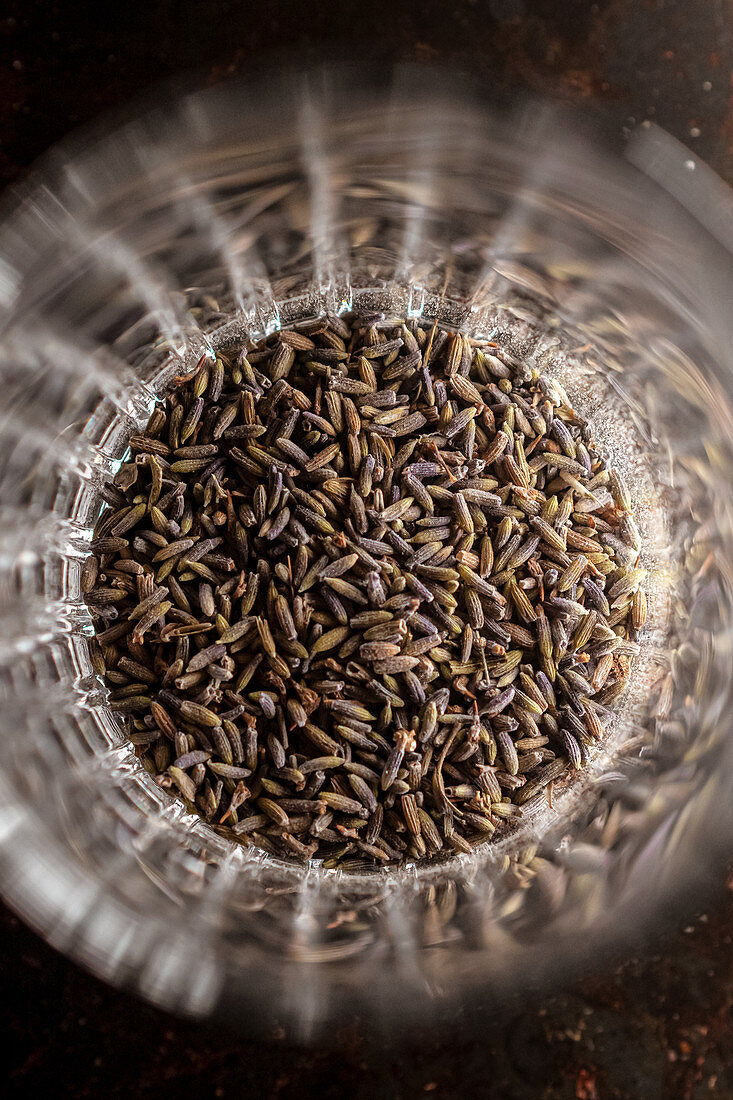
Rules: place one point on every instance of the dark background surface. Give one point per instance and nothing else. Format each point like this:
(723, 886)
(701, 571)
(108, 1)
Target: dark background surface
(653, 1027)
(63, 62)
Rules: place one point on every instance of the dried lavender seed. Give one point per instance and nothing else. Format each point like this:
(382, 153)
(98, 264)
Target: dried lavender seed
(358, 576)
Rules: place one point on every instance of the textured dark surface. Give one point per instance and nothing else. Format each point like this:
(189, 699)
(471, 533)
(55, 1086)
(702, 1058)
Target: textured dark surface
(658, 1027)
(62, 62)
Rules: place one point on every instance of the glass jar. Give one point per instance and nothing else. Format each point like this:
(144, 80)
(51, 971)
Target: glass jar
(234, 212)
